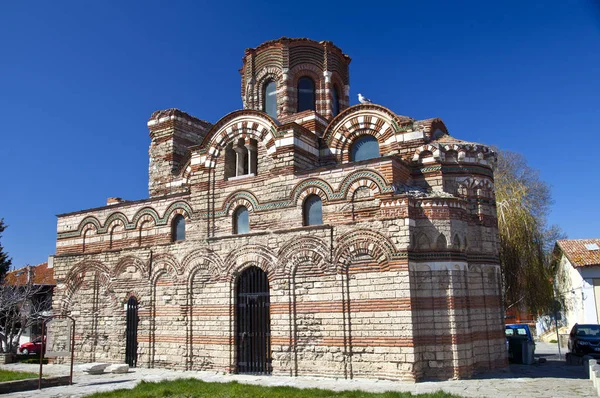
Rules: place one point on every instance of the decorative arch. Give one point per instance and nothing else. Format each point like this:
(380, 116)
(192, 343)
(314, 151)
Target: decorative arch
(175, 208)
(164, 263)
(240, 198)
(358, 120)
(422, 241)
(87, 223)
(75, 278)
(239, 124)
(310, 186)
(130, 261)
(301, 250)
(441, 242)
(313, 72)
(363, 242)
(143, 214)
(115, 218)
(266, 74)
(249, 255)
(366, 177)
(422, 150)
(202, 260)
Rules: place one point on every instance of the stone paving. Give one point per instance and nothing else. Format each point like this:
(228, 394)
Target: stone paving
(550, 379)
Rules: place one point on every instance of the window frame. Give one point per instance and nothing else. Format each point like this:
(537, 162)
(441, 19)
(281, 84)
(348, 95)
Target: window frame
(174, 228)
(235, 219)
(306, 210)
(313, 99)
(266, 95)
(363, 138)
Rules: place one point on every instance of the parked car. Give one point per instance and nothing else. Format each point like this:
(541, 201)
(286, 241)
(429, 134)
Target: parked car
(519, 343)
(585, 340)
(32, 347)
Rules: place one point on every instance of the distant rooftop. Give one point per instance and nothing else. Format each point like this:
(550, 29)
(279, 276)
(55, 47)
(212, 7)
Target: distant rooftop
(42, 275)
(581, 252)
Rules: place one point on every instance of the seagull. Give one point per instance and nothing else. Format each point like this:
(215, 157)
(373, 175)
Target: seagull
(363, 100)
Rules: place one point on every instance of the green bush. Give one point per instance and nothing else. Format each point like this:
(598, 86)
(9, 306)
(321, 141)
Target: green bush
(554, 341)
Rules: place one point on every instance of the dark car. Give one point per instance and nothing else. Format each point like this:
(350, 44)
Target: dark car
(32, 347)
(585, 340)
(520, 343)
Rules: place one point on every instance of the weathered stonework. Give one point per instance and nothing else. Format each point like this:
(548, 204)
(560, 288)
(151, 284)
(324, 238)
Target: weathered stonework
(400, 281)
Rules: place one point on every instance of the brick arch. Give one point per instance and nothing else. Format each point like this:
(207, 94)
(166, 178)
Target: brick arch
(363, 242)
(239, 124)
(128, 261)
(202, 260)
(249, 255)
(298, 251)
(316, 74)
(177, 208)
(434, 149)
(75, 278)
(314, 185)
(164, 263)
(86, 223)
(265, 74)
(143, 214)
(357, 120)
(116, 217)
(364, 177)
(240, 198)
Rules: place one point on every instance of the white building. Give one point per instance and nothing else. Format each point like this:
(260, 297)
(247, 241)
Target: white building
(578, 279)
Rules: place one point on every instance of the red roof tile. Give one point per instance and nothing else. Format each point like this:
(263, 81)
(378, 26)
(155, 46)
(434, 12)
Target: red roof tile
(42, 275)
(577, 252)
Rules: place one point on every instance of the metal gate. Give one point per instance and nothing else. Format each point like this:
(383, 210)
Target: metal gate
(253, 322)
(131, 332)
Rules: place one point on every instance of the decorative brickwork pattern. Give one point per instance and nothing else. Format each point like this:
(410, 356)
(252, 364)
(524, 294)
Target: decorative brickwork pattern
(401, 281)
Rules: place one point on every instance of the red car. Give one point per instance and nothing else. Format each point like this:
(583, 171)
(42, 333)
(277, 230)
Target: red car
(33, 347)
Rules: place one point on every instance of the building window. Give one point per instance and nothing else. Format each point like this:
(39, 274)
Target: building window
(335, 104)
(241, 222)
(241, 158)
(366, 147)
(313, 210)
(306, 94)
(270, 99)
(178, 228)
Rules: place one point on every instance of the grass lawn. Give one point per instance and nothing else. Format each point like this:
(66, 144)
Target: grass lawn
(9, 375)
(188, 388)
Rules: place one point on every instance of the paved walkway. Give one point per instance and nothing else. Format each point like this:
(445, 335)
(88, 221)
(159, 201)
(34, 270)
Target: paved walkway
(550, 379)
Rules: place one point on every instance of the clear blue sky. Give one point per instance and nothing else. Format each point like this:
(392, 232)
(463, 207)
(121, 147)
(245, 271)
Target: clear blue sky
(79, 80)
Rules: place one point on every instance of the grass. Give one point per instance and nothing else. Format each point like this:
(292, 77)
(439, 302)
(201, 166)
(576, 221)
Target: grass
(194, 388)
(9, 375)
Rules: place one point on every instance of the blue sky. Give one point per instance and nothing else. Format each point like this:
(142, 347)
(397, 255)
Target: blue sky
(79, 80)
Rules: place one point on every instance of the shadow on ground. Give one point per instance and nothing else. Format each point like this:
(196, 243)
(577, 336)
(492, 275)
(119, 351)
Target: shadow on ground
(551, 368)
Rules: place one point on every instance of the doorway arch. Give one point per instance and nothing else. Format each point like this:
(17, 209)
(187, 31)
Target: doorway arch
(253, 323)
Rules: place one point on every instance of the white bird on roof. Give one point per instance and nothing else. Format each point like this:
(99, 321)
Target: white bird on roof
(363, 100)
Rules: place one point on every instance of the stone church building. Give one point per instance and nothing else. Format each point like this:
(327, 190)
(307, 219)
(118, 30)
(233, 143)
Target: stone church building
(297, 236)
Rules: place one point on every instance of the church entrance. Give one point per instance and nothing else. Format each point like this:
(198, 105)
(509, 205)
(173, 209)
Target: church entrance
(253, 324)
(131, 332)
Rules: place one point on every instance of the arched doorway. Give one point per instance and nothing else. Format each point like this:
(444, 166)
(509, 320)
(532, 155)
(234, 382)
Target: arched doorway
(253, 324)
(131, 332)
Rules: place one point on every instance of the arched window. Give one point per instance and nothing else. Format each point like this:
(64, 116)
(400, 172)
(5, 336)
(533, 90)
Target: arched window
(306, 94)
(335, 104)
(366, 147)
(270, 98)
(313, 210)
(241, 222)
(178, 228)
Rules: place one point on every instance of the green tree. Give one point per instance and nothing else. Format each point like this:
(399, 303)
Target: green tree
(5, 260)
(523, 202)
